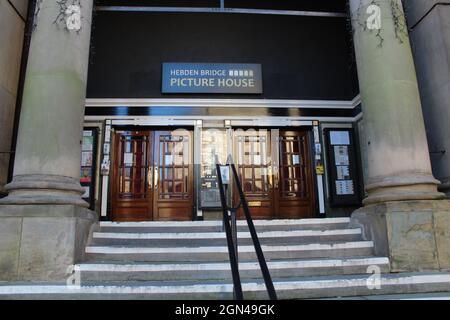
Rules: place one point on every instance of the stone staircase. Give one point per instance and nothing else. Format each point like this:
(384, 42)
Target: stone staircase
(197, 251)
(309, 258)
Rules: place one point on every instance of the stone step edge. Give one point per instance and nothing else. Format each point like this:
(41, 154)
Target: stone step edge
(215, 223)
(221, 235)
(224, 249)
(341, 282)
(291, 264)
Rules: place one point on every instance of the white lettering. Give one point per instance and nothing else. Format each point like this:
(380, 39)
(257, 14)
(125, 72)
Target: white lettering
(182, 72)
(236, 82)
(186, 310)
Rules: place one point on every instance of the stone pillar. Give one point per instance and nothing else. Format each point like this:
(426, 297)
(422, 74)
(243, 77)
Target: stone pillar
(399, 211)
(47, 164)
(399, 163)
(44, 199)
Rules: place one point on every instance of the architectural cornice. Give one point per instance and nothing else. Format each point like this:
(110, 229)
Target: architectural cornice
(225, 103)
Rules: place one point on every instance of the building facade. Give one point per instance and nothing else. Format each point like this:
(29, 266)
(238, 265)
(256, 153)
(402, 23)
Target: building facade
(429, 32)
(130, 95)
(127, 109)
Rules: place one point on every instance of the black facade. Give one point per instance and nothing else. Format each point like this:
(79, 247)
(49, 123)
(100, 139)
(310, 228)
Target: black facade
(302, 58)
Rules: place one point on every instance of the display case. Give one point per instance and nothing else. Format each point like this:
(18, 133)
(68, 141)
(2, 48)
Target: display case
(342, 162)
(88, 157)
(214, 142)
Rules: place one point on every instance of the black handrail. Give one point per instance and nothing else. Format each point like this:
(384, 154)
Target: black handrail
(238, 295)
(232, 248)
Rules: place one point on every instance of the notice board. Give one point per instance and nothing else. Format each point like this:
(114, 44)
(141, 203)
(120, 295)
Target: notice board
(343, 177)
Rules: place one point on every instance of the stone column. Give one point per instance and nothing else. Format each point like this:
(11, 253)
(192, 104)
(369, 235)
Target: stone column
(47, 161)
(399, 163)
(400, 212)
(44, 199)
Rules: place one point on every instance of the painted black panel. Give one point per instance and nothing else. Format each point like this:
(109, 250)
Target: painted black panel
(301, 57)
(159, 3)
(299, 5)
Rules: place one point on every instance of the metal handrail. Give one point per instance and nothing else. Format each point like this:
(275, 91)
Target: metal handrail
(232, 245)
(232, 249)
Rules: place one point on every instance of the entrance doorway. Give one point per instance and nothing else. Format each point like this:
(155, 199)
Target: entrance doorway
(152, 175)
(275, 169)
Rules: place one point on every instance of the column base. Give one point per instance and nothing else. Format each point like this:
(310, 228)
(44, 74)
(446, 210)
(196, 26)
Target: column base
(415, 235)
(40, 242)
(44, 189)
(402, 188)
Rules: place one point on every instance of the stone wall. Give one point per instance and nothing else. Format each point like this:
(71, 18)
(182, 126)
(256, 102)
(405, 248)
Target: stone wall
(429, 23)
(415, 235)
(12, 25)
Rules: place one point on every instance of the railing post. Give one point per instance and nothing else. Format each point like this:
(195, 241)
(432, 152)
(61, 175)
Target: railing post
(238, 295)
(259, 253)
(229, 214)
(234, 232)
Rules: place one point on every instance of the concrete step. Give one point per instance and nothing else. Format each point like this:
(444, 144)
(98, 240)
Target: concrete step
(220, 253)
(221, 270)
(216, 226)
(295, 288)
(219, 238)
(409, 296)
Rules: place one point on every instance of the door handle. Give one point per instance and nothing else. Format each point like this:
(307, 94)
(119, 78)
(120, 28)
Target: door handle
(149, 177)
(276, 177)
(270, 176)
(156, 172)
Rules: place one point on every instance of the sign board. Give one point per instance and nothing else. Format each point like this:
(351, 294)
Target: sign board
(319, 169)
(343, 175)
(225, 174)
(211, 78)
(88, 164)
(339, 137)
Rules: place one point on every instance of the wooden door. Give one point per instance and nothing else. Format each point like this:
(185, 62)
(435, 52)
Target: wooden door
(173, 175)
(294, 187)
(253, 163)
(132, 176)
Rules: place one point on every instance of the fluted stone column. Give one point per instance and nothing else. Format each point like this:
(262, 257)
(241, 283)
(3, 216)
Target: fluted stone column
(43, 216)
(401, 208)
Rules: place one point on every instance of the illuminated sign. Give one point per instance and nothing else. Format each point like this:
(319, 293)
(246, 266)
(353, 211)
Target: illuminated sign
(211, 78)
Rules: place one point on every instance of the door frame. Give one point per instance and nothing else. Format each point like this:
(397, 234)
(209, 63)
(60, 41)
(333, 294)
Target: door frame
(312, 176)
(128, 122)
(115, 175)
(274, 153)
(130, 126)
(156, 165)
(271, 192)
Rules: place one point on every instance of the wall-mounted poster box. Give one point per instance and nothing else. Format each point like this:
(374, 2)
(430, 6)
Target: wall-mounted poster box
(86, 175)
(343, 178)
(214, 142)
(88, 164)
